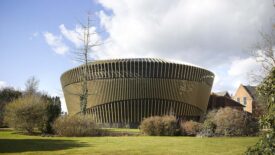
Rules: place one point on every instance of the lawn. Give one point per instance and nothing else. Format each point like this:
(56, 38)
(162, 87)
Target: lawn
(13, 143)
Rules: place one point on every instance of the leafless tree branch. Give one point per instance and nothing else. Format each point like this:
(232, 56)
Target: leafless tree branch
(264, 53)
(82, 55)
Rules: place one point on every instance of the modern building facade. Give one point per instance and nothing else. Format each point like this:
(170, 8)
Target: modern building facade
(124, 91)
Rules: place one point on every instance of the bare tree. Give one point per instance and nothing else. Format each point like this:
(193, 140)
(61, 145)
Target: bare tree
(264, 53)
(31, 86)
(89, 41)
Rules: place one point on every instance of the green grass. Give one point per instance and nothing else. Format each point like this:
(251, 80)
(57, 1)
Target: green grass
(13, 143)
(123, 130)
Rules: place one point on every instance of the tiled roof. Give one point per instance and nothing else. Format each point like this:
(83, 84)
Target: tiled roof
(251, 90)
(223, 93)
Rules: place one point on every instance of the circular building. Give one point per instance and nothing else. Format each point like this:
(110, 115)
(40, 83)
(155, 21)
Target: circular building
(124, 91)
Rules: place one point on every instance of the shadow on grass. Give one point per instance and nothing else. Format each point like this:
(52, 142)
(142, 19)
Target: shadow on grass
(25, 145)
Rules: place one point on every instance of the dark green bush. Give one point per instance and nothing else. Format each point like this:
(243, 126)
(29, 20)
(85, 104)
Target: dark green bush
(265, 146)
(52, 111)
(7, 95)
(252, 126)
(159, 126)
(76, 126)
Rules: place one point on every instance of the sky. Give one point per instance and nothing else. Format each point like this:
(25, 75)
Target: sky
(38, 38)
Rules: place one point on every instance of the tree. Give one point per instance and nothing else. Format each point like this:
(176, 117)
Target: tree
(31, 110)
(7, 95)
(25, 113)
(82, 55)
(31, 86)
(266, 145)
(263, 52)
(51, 112)
(265, 55)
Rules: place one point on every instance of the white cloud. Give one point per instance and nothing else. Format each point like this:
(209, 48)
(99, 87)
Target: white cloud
(76, 35)
(239, 71)
(240, 67)
(56, 43)
(63, 104)
(216, 79)
(209, 33)
(200, 32)
(3, 84)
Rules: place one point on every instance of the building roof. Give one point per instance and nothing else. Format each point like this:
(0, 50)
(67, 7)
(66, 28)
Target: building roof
(217, 101)
(137, 68)
(130, 59)
(159, 60)
(251, 90)
(222, 93)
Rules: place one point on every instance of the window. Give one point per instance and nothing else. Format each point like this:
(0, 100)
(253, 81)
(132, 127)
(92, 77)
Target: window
(238, 99)
(244, 100)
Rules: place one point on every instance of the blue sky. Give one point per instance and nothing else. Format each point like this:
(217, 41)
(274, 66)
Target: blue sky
(23, 50)
(38, 37)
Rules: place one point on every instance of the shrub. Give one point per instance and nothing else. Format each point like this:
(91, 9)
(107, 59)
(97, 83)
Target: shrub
(190, 128)
(159, 126)
(76, 126)
(7, 95)
(208, 128)
(25, 113)
(169, 125)
(52, 110)
(33, 109)
(230, 122)
(148, 126)
(265, 145)
(251, 126)
(211, 115)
